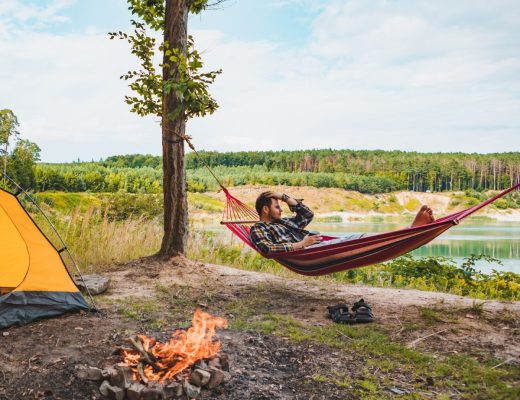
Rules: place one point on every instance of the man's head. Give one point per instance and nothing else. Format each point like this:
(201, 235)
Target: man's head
(268, 209)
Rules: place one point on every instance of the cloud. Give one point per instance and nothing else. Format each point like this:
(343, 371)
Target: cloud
(17, 13)
(409, 75)
(67, 93)
(375, 75)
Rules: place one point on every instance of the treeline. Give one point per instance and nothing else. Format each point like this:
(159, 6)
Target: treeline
(363, 171)
(408, 170)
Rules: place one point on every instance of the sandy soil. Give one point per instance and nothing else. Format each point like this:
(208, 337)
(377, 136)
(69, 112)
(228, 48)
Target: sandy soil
(38, 360)
(319, 199)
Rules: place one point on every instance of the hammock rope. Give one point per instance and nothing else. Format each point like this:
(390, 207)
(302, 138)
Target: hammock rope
(345, 255)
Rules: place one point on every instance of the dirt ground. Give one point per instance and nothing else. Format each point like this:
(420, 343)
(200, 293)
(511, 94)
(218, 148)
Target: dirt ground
(37, 360)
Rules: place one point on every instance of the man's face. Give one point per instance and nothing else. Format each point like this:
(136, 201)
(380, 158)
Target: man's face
(275, 210)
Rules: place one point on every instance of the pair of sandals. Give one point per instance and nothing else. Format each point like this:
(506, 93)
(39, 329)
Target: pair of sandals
(361, 313)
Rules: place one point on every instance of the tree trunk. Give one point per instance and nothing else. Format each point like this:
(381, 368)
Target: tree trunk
(174, 180)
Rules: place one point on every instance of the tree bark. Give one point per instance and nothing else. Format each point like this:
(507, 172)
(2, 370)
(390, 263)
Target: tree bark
(174, 179)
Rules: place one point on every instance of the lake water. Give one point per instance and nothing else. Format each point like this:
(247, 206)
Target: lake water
(497, 239)
(475, 235)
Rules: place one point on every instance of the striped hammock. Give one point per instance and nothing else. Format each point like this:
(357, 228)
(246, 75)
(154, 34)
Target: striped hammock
(336, 257)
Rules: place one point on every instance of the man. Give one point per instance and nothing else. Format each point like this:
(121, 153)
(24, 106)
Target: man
(274, 234)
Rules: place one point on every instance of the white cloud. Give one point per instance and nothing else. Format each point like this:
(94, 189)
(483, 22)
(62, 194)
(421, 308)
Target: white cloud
(393, 75)
(17, 12)
(375, 75)
(66, 93)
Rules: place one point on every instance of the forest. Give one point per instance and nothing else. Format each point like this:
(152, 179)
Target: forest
(366, 171)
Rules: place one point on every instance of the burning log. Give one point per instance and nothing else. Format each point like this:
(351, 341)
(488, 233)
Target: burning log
(140, 371)
(145, 356)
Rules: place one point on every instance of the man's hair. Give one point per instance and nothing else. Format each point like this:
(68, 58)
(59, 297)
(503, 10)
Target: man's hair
(262, 200)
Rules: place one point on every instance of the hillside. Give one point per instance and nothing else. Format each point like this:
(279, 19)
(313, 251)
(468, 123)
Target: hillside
(351, 204)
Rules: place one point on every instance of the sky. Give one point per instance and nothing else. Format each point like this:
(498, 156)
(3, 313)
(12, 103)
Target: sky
(410, 75)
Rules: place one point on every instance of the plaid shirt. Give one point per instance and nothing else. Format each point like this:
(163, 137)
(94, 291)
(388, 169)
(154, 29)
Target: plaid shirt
(278, 236)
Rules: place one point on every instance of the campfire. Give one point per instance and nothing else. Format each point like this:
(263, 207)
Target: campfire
(156, 361)
(151, 369)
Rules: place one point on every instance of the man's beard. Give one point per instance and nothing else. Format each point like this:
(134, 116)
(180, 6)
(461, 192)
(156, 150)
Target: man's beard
(273, 218)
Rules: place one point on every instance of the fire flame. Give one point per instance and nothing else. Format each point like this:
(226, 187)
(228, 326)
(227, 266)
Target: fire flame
(184, 348)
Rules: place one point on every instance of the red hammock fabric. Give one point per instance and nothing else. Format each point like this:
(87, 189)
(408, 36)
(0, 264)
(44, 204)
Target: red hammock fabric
(351, 254)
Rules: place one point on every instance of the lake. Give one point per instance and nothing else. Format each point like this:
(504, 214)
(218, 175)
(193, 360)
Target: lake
(475, 235)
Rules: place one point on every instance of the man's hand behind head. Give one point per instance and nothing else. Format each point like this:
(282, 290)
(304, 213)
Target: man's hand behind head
(274, 195)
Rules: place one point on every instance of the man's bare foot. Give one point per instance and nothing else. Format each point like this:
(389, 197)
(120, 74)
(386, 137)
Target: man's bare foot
(423, 217)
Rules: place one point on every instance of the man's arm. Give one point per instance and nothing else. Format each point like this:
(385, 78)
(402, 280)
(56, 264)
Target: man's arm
(303, 215)
(262, 239)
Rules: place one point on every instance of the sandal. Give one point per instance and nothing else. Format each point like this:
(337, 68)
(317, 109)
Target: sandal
(338, 312)
(362, 312)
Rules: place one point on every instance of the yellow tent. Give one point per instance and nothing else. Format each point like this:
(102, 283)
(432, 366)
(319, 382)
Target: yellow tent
(34, 282)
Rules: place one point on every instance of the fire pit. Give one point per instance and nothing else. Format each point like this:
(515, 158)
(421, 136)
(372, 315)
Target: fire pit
(151, 369)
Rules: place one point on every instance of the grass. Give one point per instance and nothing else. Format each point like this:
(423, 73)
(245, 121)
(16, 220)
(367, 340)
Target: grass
(204, 202)
(66, 202)
(452, 374)
(99, 242)
(380, 362)
(147, 312)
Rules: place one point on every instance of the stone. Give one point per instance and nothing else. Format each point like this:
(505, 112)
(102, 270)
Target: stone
(115, 393)
(172, 391)
(151, 393)
(217, 377)
(134, 391)
(123, 377)
(201, 364)
(109, 373)
(199, 377)
(214, 363)
(191, 391)
(224, 362)
(88, 373)
(96, 284)
(103, 389)
(5, 334)
(398, 391)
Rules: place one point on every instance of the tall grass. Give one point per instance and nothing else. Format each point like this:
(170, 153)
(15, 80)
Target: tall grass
(98, 242)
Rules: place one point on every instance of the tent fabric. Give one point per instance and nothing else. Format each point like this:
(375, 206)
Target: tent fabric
(33, 278)
(350, 254)
(20, 308)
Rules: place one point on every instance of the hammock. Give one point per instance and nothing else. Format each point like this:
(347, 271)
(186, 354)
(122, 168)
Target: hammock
(356, 253)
